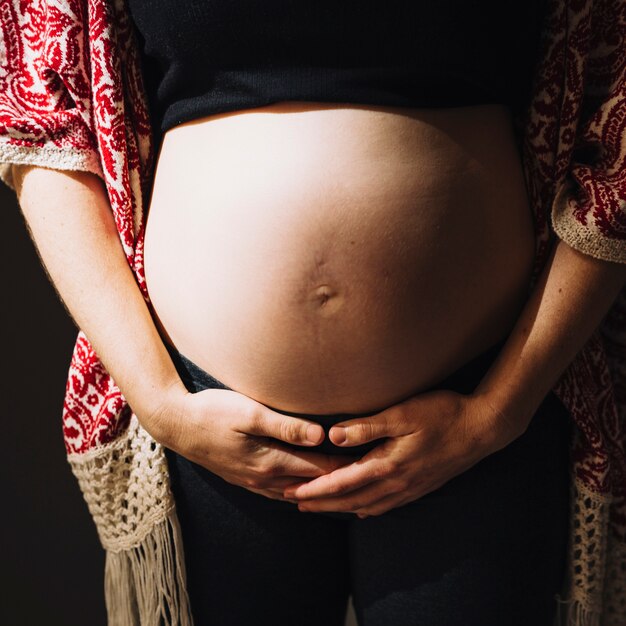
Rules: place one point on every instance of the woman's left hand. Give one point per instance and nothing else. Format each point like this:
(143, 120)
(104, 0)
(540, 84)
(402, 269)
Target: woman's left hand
(431, 438)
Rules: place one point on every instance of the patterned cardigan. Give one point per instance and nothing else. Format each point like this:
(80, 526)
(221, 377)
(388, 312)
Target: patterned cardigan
(72, 97)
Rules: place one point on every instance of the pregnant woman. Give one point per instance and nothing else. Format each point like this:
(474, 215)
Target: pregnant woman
(346, 364)
(331, 259)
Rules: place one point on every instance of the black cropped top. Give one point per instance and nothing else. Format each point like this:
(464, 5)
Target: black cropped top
(201, 57)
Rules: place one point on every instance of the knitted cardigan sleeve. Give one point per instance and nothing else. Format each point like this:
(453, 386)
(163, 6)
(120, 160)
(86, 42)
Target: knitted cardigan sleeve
(589, 211)
(45, 88)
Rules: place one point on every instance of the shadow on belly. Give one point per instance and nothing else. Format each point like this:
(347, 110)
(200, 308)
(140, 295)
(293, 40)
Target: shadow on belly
(464, 380)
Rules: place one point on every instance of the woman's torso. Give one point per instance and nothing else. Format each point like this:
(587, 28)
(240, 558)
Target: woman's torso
(327, 258)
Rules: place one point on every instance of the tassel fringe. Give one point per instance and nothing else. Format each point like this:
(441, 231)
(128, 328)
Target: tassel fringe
(574, 613)
(146, 585)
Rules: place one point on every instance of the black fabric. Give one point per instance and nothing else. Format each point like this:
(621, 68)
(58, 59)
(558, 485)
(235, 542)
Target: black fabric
(205, 57)
(488, 548)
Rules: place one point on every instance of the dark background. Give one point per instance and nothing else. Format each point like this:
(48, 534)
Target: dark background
(51, 561)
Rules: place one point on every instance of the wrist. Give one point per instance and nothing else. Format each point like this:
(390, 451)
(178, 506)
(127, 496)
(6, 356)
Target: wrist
(512, 391)
(504, 419)
(162, 410)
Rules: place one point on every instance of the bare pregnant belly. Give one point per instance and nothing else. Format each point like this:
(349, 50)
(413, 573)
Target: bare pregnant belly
(328, 258)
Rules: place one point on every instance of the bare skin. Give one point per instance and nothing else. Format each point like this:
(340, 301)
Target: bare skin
(434, 436)
(326, 258)
(72, 225)
(430, 436)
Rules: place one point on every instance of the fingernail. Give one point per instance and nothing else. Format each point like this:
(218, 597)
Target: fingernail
(314, 433)
(339, 434)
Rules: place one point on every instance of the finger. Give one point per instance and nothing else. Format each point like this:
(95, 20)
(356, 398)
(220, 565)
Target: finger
(264, 422)
(347, 478)
(278, 486)
(391, 422)
(280, 483)
(278, 494)
(398, 499)
(283, 461)
(269, 493)
(351, 502)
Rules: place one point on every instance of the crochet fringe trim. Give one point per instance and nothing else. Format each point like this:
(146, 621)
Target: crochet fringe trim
(146, 585)
(575, 614)
(594, 592)
(127, 489)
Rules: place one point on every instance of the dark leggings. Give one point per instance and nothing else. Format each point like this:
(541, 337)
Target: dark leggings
(488, 548)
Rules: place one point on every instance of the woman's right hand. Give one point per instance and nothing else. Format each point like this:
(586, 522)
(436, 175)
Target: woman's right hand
(240, 440)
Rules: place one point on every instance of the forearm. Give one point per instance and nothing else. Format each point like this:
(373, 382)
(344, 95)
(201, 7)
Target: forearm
(572, 296)
(71, 223)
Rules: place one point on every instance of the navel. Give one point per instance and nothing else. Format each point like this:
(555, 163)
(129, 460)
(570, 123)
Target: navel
(326, 298)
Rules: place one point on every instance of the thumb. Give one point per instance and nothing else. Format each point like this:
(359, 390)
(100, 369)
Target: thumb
(265, 422)
(387, 423)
